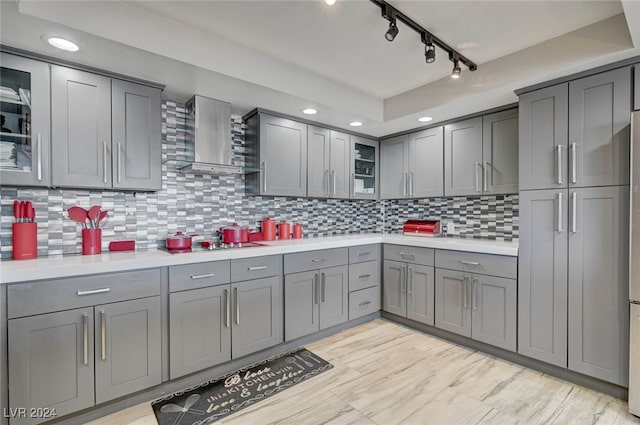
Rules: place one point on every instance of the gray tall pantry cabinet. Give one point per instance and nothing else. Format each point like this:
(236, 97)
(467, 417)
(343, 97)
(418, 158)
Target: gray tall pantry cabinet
(27, 115)
(105, 133)
(574, 165)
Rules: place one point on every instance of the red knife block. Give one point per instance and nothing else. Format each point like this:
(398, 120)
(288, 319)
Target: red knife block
(24, 241)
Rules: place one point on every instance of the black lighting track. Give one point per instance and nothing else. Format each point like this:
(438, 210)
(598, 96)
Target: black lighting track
(390, 13)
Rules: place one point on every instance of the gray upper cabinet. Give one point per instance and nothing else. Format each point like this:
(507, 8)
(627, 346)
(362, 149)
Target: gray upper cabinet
(636, 85)
(500, 152)
(283, 157)
(463, 158)
(56, 351)
(543, 135)
(598, 283)
(80, 128)
(27, 116)
(328, 163)
(256, 315)
(420, 290)
(542, 276)
(199, 329)
(105, 133)
(128, 347)
(394, 163)
(136, 134)
(365, 171)
(412, 165)
(599, 129)
(576, 134)
(425, 159)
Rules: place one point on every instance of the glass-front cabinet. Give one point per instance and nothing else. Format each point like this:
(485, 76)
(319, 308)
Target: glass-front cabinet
(364, 168)
(25, 121)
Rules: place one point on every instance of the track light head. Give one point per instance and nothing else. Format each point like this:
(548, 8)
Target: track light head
(430, 53)
(392, 32)
(455, 74)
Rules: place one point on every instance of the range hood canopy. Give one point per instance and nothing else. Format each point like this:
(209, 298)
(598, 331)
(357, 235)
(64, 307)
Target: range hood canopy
(209, 126)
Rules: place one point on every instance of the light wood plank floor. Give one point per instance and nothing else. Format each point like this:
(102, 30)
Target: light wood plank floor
(387, 374)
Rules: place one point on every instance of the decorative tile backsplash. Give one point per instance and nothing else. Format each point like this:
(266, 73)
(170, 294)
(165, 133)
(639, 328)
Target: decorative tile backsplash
(202, 204)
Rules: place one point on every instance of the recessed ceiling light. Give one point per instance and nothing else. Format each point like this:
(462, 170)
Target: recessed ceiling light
(425, 119)
(355, 124)
(309, 111)
(63, 44)
(330, 2)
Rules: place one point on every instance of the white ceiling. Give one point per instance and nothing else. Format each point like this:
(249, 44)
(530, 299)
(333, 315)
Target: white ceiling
(286, 55)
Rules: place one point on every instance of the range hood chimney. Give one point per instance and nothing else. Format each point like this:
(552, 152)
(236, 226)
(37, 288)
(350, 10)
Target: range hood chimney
(209, 126)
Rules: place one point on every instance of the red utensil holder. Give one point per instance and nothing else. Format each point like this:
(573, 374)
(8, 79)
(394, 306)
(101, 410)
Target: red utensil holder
(91, 241)
(24, 241)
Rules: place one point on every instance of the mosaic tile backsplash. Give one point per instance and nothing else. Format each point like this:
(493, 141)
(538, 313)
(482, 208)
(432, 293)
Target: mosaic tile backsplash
(202, 204)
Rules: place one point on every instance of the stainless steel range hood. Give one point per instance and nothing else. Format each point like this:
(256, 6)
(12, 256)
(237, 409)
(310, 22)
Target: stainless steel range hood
(209, 126)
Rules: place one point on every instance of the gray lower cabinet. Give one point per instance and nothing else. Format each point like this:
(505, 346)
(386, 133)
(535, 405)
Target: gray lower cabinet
(598, 283)
(408, 291)
(463, 158)
(128, 349)
(256, 315)
(104, 133)
(452, 302)
(51, 358)
(328, 163)
(573, 279)
(315, 300)
(199, 329)
(542, 276)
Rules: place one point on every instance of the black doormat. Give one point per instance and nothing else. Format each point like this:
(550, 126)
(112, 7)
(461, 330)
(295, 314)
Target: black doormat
(213, 400)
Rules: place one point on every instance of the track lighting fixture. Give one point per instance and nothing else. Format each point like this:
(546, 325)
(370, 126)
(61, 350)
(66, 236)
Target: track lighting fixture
(430, 41)
(392, 32)
(455, 74)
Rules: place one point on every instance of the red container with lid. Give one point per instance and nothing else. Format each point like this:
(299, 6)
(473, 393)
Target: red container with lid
(297, 231)
(234, 234)
(268, 229)
(179, 241)
(284, 230)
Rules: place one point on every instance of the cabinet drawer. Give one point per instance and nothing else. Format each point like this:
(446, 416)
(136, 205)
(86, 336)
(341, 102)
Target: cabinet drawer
(409, 254)
(201, 275)
(363, 302)
(313, 260)
(360, 254)
(27, 299)
(364, 275)
(494, 265)
(256, 267)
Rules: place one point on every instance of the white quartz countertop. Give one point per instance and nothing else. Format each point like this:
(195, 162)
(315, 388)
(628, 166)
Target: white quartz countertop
(109, 262)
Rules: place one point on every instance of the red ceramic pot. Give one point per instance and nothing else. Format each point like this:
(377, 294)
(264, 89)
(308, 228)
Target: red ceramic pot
(234, 234)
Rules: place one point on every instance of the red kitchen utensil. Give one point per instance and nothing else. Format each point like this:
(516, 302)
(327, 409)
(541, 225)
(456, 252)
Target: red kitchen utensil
(30, 213)
(78, 214)
(16, 211)
(101, 217)
(92, 215)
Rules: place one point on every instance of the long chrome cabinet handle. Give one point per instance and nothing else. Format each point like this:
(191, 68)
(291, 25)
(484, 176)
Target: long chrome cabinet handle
(470, 263)
(103, 334)
(559, 227)
(324, 286)
(364, 303)
(407, 254)
(325, 181)
(410, 281)
(476, 284)
(227, 317)
(39, 147)
(411, 183)
(574, 172)
(315, 289)
(485, 179)
(333, 178)
(477, 186)
(237, 306)
(85, 339)
(574, 212)
(404, 184)
(256, 268)
(559, 164)
(402, 276)
(119, 162)
(264, 176)
(353, 183)
(93, 291)
(318, 260)
(364, 276)
(203, 276)
(104, 161)
(465, 299)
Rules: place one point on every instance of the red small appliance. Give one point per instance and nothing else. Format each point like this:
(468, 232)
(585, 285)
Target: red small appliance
(429, 228)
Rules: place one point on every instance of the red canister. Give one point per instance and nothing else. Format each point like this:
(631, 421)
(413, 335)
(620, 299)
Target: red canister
(268, 229)
(297, 231)
(284, 230)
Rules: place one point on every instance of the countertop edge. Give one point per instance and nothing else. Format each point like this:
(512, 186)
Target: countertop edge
(110, 262)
